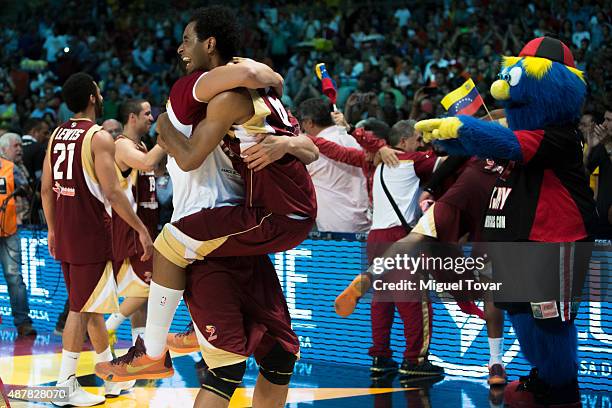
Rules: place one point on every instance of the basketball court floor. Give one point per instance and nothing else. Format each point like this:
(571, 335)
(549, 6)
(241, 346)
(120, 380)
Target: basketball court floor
(318, 385)
(314, 384)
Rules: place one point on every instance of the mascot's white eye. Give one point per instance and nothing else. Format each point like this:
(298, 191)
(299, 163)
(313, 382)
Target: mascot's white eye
(515, 76)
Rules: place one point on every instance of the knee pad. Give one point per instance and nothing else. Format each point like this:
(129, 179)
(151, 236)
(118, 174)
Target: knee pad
(223, 381)
(277, 365)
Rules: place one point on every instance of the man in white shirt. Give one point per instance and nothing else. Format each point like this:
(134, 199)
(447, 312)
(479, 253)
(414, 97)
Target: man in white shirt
(342, 195)
(399, 187)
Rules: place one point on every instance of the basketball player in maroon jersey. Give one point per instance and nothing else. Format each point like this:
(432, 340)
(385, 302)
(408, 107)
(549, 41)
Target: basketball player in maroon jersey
(230, 229)
(136, 166)
(79, 187)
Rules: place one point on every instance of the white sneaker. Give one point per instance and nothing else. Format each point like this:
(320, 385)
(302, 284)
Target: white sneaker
(77, 396)
(113, 389)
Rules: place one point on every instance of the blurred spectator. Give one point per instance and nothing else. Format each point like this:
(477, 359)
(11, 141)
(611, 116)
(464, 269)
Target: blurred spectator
(8, 111)
(342, 196)
(599, 154)
(113, 126)
(11, 182)
(34, 144)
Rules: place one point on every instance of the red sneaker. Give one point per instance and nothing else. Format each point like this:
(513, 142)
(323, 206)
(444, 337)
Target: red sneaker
(185, 342)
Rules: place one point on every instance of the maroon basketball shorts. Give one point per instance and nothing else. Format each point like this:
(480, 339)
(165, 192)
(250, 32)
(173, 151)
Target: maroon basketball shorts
(91, 287)
(448, 223)
(230, 231)
(130, 275)
(238, 308)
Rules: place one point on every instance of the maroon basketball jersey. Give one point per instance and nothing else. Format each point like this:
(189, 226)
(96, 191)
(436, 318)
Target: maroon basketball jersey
(283, 187)
(82, 213)
(139, 188)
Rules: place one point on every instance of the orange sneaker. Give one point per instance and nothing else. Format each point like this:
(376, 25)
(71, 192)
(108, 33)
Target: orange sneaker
(497, 375)
(185, 342)
(136, 365)
(347, 301)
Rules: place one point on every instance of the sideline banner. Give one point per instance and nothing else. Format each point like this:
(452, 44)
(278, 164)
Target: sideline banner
(312, 275)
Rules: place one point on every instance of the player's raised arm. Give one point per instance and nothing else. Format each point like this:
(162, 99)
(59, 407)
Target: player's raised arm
(103, 149)
(223, 111)
(127, 153)
(244, 73)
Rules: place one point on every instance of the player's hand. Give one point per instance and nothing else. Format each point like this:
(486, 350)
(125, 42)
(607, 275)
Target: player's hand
(267, 150)
(147, 244)
(599, 133)
(278, 87)
(426, 200)
(51, 243)
(148, 275)
(446, 128)
(339, 120)
(388, 156)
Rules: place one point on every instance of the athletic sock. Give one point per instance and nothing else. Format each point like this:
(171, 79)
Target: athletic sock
(496, 350)
(104, 356)
(68, 366)
(137, 331)
(114, 321)
(162, 305)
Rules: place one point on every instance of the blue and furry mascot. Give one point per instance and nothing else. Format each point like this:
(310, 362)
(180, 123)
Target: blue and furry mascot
(542, 195)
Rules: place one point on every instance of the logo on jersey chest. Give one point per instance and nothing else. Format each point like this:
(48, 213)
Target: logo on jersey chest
(63, 191)
(499, 197)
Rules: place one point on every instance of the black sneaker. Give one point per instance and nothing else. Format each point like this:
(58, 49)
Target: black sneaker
(410, 370)
(382, 365)
(26, 330)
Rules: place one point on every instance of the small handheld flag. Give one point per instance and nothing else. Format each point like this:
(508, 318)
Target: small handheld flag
(464, 100)
(327, 84)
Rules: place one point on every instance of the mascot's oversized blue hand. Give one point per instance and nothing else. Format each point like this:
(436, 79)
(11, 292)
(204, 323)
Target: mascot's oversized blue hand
(483, 139)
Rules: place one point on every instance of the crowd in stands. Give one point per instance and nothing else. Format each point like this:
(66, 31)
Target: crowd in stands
(390, 60)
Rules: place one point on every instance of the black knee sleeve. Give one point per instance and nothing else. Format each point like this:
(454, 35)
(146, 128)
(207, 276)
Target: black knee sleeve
(277, 365)
(223, 381)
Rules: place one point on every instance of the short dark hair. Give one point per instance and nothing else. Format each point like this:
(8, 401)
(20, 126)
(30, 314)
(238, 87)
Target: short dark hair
(31, 125)
(377, 126)
(403, 128)
(76, 91)
(317, 110)
(130, 106)
(219, 22)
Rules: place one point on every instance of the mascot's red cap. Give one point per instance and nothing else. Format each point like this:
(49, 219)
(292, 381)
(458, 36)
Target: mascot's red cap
(550, 48)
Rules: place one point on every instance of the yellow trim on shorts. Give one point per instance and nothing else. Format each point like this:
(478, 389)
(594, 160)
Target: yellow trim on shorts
(136, 287)
(427, 224)
(182, 250)
(215, 357)
(171, 248)
(104, 298)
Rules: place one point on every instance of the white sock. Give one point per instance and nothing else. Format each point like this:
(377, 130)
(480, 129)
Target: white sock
(137, 331)
(160, 312)
(104, 356)
(68, 366)
(114, 321)
(496, 349)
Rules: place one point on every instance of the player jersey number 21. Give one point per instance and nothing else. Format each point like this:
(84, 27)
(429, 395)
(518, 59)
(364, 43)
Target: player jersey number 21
(66, 151)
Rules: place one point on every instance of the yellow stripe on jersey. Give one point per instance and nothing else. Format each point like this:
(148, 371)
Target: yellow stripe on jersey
(126, 182)
(257, 123)
(87, 156)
